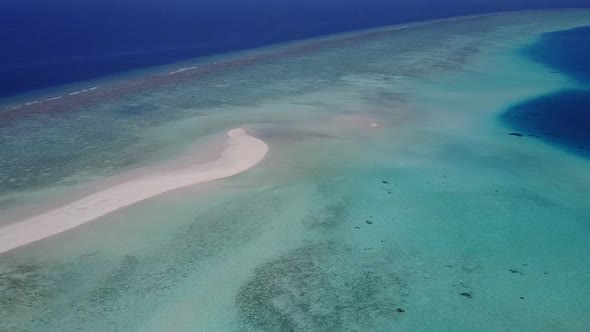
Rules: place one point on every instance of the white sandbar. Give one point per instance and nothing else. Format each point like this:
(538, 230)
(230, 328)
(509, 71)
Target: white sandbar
(241, 153)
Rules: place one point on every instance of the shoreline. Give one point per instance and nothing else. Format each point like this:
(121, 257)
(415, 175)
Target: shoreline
(241, 153)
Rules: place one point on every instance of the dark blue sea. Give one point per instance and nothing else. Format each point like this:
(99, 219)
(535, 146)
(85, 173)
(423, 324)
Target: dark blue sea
(49, 43)
(562, 117)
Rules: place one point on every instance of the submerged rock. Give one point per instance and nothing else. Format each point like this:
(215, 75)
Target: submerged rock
(516, 134)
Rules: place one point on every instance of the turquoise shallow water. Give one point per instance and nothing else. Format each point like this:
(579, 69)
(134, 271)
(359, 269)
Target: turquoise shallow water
(435, 220)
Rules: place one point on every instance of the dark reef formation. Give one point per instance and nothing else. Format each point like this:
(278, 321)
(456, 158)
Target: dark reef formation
(307, 290)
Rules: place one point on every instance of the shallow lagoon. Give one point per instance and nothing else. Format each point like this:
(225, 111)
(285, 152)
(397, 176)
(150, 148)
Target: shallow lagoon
(435, 220)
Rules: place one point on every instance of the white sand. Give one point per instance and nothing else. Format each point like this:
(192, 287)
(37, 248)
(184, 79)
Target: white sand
(241, 153)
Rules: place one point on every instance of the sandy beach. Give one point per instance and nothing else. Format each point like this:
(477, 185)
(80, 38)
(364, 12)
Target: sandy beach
(242, 152)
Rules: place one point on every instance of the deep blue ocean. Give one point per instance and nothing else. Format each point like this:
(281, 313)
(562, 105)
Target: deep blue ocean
(49, 43)
(562, 117)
